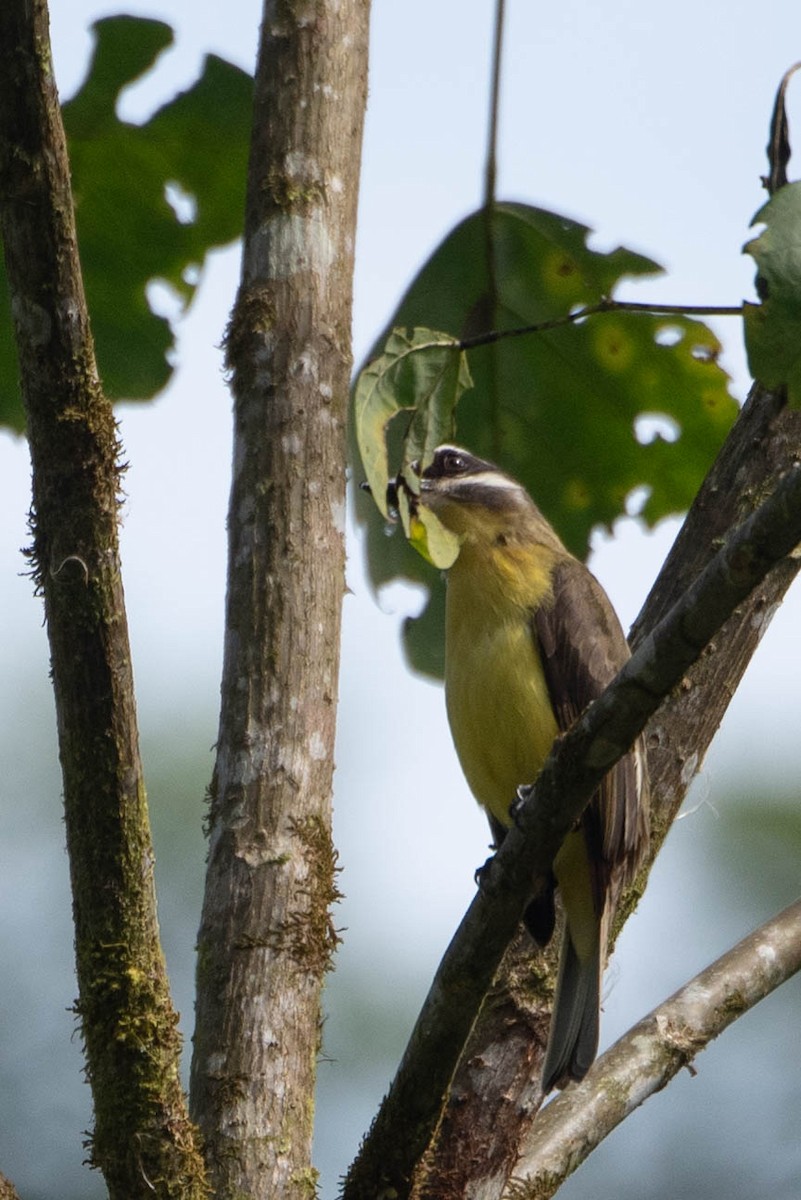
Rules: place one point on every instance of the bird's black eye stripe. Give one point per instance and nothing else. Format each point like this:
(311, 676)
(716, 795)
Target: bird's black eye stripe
(449, 463)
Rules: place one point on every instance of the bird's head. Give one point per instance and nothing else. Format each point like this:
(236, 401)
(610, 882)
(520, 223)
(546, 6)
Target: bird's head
(471, 501)
(469, 494)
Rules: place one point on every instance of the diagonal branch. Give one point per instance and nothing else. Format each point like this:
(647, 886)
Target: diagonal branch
(495, 1093)
(646, 1058)
(567, 780)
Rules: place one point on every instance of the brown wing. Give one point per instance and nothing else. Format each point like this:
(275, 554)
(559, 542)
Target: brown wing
(583, 647)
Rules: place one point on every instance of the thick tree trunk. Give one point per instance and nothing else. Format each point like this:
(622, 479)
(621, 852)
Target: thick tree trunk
(267, 936)
(142, 1141)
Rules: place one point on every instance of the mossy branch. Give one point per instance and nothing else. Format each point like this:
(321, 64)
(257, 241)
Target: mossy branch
(142, 1141)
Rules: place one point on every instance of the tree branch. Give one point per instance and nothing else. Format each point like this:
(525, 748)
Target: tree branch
(266, 935)
(488, 1110)
(571, 774)
(143, 1141)
(764, 444)
(646, 1058)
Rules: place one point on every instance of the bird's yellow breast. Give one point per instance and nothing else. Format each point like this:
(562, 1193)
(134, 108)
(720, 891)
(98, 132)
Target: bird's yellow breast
(498, 705)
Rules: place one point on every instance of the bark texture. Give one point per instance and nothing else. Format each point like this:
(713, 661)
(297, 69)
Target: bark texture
(266, 935)
(142, 1140)
(7, 1189)
(646, 1058)
(763, 445)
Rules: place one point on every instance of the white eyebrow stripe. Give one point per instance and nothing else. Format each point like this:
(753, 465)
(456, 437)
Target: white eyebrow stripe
(493, 479)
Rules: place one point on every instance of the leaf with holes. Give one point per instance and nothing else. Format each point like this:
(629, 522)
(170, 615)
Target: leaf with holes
(565, 410)
(419, 371)
(151, 200)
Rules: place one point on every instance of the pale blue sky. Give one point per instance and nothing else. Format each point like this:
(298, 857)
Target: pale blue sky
(648, 123)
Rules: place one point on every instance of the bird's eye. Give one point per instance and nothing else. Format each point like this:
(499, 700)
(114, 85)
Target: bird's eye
(453, 462)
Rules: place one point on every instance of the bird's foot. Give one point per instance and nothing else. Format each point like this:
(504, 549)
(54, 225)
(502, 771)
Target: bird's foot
(521, 796)
(482, 872)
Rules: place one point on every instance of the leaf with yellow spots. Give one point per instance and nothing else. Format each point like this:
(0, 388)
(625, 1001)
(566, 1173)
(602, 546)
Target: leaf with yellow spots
(583, 414)
(612, 345)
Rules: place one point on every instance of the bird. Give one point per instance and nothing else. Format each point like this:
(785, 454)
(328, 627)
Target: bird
(530, 639)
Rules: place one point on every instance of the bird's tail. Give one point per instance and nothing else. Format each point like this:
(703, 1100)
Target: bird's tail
(573, 1037)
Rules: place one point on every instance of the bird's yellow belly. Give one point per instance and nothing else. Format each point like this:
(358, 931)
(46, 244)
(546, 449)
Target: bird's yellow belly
(498, 708)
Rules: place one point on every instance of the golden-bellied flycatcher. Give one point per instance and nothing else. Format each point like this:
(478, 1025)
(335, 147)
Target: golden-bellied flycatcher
(531, 638)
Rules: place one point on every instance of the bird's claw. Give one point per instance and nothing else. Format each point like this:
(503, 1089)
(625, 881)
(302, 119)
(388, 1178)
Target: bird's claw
(521, 796)
(481, 873)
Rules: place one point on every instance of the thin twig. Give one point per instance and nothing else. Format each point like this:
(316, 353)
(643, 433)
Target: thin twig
(593, 310)
(490, 180)
(490, 173)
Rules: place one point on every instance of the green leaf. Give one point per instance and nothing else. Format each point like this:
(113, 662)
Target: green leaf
(419, 370)
(129, 234)
(773, 328)
(564, 410)
(426, 533)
